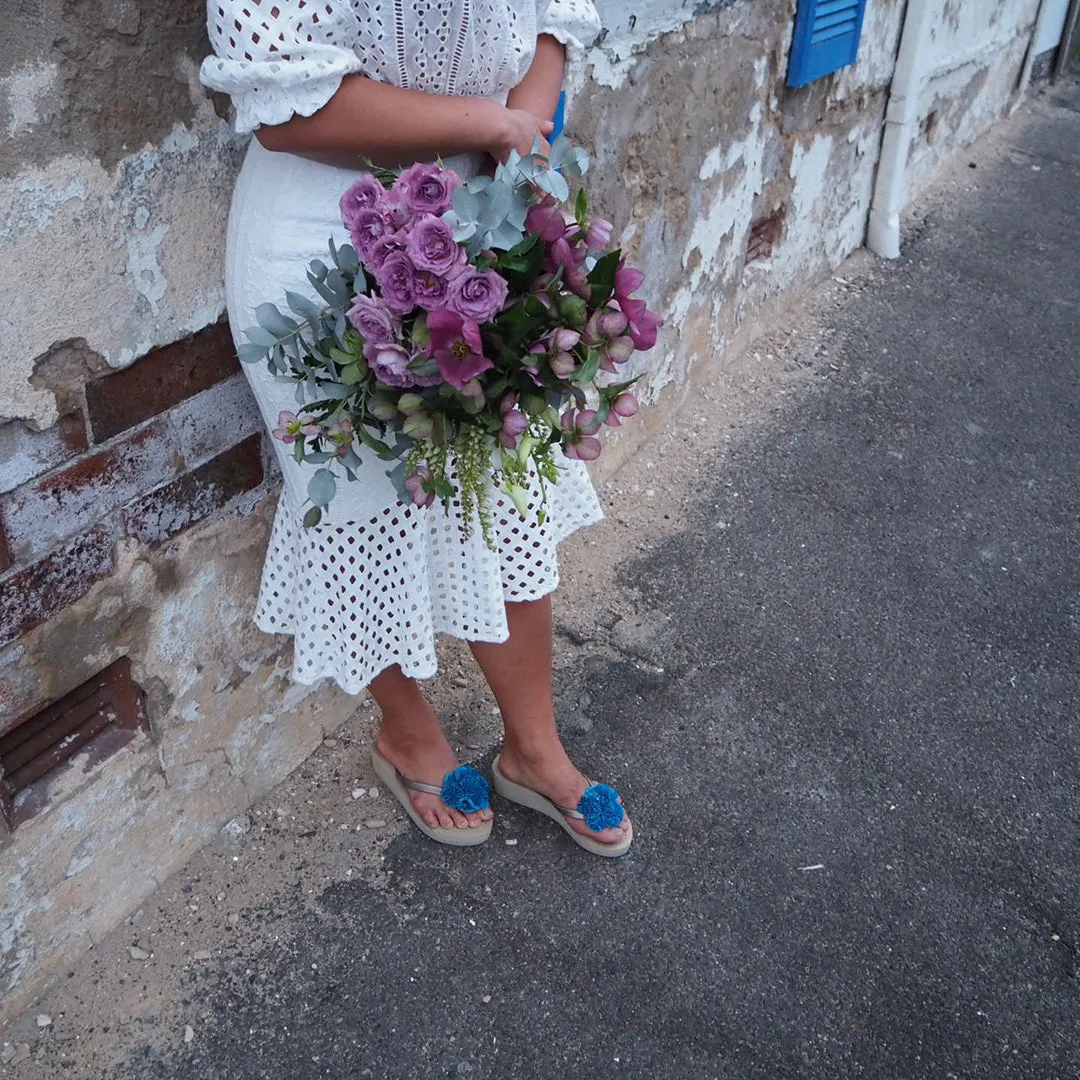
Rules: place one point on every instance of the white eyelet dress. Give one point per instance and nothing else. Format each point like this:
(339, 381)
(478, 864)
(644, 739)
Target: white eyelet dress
(377, 581)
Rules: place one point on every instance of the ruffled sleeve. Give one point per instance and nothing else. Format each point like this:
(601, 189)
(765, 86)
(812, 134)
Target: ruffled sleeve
(279, 58)
(576, 23)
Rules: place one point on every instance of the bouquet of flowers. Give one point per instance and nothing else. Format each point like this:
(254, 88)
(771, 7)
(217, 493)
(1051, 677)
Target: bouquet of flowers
(468, 330)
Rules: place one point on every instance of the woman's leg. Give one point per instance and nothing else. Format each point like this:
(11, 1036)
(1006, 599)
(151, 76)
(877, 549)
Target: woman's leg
(412, 741)
(519, 674)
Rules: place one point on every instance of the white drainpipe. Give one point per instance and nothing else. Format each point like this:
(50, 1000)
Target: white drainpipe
(901, 117)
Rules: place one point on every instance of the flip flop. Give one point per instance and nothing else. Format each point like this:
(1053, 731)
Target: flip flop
(597, 807)
(464, 790)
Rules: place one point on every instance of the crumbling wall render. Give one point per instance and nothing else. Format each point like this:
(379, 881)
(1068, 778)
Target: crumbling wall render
(115, 176)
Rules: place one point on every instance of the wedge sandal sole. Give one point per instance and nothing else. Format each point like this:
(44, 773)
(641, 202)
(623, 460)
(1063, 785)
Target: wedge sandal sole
(533, 800)
(452, 837)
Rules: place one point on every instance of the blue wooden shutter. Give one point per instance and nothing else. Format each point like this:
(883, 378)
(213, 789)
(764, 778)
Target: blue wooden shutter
(826, 38)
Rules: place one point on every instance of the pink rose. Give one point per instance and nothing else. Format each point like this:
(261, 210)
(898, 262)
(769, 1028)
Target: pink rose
(369, 225)
(395, 278)
(428, 188)
(432, 245)
(373, 320)
(478, 294)
(366, 194)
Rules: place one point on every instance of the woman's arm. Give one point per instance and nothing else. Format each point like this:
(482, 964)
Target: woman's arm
(538, 93)
(391, 125)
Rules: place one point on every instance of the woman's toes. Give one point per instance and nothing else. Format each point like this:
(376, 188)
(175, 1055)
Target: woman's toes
(431, 819)
(458, 820)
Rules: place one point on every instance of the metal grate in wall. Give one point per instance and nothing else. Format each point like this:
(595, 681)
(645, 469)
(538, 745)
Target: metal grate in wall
(102, 715)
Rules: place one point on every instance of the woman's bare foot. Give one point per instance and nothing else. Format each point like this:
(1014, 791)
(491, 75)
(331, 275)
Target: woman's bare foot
(552, 773)
(412, 741)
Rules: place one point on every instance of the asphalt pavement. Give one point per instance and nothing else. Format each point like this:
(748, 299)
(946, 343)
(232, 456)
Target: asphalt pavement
(853, 756)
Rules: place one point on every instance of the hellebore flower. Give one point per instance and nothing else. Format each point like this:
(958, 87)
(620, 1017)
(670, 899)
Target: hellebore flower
(643, 324)
(605, 332)
(340, 433)
(456, 346)
(572, 260)
(625, 405)
(599, 234)
(291, 427)
(547, 221)
(417, 488)
(578, 441)
(558, 346)
(514, 422)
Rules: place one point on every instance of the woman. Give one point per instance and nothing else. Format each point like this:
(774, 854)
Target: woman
(324, 84)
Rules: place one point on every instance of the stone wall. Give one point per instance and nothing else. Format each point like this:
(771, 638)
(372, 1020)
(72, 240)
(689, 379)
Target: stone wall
(135, 488)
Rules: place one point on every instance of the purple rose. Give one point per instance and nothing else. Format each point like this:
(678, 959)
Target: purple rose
(384, 247)
(366, 194)
(478, 295)
(373, 320)
(428, 189)
(430, 290)
(432, 245)
(389, 364)
(396, 281)
(369, 225)
(400, 214)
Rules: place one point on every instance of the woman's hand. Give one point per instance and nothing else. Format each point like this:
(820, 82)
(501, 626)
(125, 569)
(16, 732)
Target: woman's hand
(519, 130)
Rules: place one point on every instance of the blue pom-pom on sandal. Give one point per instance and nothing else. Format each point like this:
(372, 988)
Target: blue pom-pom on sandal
(464, 790)
(599, 808)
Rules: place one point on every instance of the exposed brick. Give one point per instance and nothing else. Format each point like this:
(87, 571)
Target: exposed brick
(25, 453)
(38, 593)
(71, 499)
(175, 506)
(765, 233)
(160, 380)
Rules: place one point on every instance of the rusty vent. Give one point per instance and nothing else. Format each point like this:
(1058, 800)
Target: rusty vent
(103, 715)
(764, 234)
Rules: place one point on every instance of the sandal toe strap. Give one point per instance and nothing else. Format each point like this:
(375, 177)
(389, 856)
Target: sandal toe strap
(464, 790)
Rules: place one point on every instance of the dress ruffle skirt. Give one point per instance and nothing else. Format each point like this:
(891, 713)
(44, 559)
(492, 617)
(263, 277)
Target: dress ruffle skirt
(377, 581)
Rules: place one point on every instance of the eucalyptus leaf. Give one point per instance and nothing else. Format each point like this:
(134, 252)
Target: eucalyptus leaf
(312, 517)
(258, 336)
(397, 478)
(271, 319)
(250, 353)
(303, 307)
(322, 487)
(377, 445)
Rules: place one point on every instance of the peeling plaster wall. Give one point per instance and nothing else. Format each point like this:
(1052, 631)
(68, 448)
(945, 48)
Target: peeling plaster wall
(975, 56)
(115, 179)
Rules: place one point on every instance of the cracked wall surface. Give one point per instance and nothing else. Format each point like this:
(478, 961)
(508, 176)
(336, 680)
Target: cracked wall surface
(115, 179)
